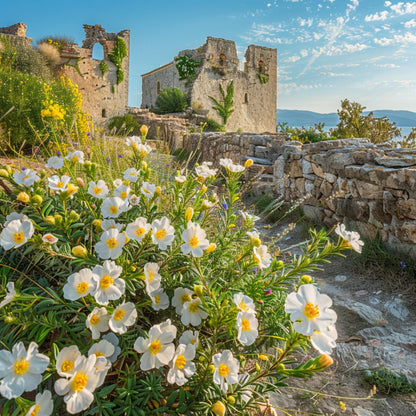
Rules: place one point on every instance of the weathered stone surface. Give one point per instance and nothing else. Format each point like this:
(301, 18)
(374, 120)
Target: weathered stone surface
(295, 169)
(371, 315)
(330, 177)
(368, 190)
(406, 209)
(395, 162)
(317, 170)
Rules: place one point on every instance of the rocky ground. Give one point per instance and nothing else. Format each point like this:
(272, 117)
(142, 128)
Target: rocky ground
(376, 328)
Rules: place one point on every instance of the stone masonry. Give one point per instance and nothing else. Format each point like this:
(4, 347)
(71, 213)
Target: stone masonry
(371, 188)
(255, 88)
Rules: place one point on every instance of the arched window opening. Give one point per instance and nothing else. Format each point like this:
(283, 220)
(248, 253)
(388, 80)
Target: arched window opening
(158, 87)
(245, 98)
(261, 67)
(103, 113)
(98, 52)
(222, 60)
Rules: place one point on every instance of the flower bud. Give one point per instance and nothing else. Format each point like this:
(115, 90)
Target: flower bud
(248, 163)
(199, 290)
(97, 223)
(211, 368)
(4, 173)
(258, 368)
(144, 165)
(144, 130)
(279, 264)
(80, 251)
(324, 361)
(158, 190)
(211, 247)
(201, 358)
(9, 170)
(281, 367)
(305, 279)
(36, 199)
(218, 409)
(23, 197)
(8, 319)
(58, 219)
(80, 182)
(127, 238)
(263, 357)
(203, 189)
(126, 182)
(231, 399)
(73, 216)
(256, 242)
(50, 220)
(189, 213)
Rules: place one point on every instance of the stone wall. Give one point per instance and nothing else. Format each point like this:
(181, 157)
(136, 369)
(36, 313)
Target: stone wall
(371, 188)
(255, 87)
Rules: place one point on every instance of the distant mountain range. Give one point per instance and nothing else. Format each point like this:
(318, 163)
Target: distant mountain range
(298, 118)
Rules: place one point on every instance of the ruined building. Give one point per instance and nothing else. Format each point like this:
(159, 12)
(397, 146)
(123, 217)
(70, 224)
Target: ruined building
(104, 83)
(255, 87)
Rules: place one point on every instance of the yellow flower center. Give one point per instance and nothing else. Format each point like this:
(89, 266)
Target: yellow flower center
(192, 341)
(21, 366)
(194, 307)
(97, 191)
(94, 319)
(157, 300)
(155, 347)
(161, 234)
(245, 325)
(311, 311)
(123, 195)
(118, 316)
(113, 209)
(223, 370)
(19, 237)
(194, 242)
(59, 184)
(139, 231)
(106, 281)
(143, 153)
(79, 382)
(67, 366)
(151, 276)
(243, 306)
(35, 410)
(134, 146)
(82, 287)
(74, 159)
(112, 243)
(99, 354)
(180, 362)
(185, 298)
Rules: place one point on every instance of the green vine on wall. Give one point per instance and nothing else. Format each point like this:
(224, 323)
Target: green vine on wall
(76, 66)
(186, 67)
(116, 57)
(104, 67)
(263, 78)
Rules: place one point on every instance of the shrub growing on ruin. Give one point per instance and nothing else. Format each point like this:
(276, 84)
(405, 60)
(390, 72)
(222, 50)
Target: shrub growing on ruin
(171, 100)
(124, 125)
(224, 106)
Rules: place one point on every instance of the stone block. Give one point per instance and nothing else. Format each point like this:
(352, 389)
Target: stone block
(378, 215)
(330, 177)
(325, 188)
(300, 185)
(309, 186)
(406, 209)
(306, 167)
(317, 170)
(261, 152)
(406, 232)
(295, 169)
(368, 190)
(314, 214)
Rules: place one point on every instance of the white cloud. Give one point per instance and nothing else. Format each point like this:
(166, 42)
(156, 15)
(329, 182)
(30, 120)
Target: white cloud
(353, 5)
(292, 58)
(305, 22)
(331, 50)
(377, 16)
(403, 8)
(303, 53)
(335, 74)
(410, 23)
(402, 40)
(293, 86)
(387, 3)
(388, 66)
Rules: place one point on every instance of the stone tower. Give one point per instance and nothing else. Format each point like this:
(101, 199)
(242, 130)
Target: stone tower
(255, 87)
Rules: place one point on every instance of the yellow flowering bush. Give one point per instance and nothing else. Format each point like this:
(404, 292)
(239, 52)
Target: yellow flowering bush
(132, 288)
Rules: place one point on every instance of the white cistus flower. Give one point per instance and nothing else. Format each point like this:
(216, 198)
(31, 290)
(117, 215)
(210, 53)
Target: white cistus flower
(190, 337)
(158, 349)
(98, 189)
(97, 322)
(138, 229)
(79, 284)
(26, 177)
(112, 207)
(244, 303)
(195, 241)
(16, 234)
(55, 162)
(163, 233)
(111, 244)
(102, 348)
(192, 313)
(122, 191)
(131, 175)
(230, 166)
(109, 224)
(152, 277)
(65, 361)
(43, 405)
(226, 369)
(262, 257)
(148, 189)
(21, 370)
(15, 216)
(75, 157)
(160, 300)
(123, 316)
(59, 183)
(324, 341)
(112, 338)
(109, 285)
(309, 310)
(351, 238)
(204, 170)
(78, 390)
(247, 325)
(181, 295)
(182, 367)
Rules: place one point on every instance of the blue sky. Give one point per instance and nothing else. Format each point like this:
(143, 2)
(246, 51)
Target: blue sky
(328, 50)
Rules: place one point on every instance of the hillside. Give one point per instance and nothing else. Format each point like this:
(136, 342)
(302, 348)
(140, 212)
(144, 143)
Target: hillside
(309, 118)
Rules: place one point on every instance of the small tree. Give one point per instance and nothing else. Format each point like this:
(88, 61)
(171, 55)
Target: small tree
(171, 100)
(353, 123)
(225, 108)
